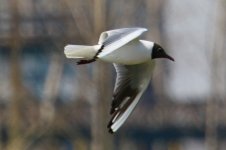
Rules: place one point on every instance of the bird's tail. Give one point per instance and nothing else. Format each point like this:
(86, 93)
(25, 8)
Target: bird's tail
(81, 51)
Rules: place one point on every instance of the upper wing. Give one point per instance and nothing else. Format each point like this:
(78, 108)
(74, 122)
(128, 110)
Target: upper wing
(131, 82)
(114, 39)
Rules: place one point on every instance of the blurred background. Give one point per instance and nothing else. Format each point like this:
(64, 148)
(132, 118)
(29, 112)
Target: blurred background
(49, 103)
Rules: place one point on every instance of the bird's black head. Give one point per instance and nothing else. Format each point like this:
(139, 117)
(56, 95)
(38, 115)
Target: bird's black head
(158, 52)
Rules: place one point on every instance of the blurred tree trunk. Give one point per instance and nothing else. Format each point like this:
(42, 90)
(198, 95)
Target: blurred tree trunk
(217, 75)
(100, 103)
(155, 9)
(15, 122)
(101, 139)
(51, 88)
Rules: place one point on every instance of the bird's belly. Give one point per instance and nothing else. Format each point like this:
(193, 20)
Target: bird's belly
(128, 55)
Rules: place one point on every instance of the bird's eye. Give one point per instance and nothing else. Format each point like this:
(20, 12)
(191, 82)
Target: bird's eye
(159, 49)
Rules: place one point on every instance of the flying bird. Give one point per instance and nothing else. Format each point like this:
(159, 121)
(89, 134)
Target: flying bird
(133, 60)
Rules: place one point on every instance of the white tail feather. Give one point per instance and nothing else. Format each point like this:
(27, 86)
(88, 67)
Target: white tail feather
(81, 51)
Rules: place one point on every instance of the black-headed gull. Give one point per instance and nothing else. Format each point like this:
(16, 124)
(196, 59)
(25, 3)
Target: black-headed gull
(133, 60)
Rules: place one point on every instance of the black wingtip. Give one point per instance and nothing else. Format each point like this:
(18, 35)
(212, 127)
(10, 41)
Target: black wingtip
(112, 111)
(109, 127)
(101, 48)
(111, 131)
(82, 62)
(109, 124)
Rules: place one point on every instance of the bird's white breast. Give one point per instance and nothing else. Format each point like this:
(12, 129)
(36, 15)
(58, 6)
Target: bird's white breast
(135, 52)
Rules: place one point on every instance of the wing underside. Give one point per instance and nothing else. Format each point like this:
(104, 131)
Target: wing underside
(130, 84)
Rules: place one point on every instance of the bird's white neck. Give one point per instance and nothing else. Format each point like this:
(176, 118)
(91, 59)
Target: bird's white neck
(149, 45)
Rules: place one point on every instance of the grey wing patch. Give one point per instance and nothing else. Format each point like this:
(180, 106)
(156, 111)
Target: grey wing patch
(114, 39)
(111, 36)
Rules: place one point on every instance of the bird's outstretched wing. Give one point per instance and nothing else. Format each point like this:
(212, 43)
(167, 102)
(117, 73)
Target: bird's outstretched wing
(131, 82)
(114, 39)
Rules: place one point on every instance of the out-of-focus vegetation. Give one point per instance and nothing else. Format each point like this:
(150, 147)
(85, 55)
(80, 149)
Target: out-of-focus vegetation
(49, 103)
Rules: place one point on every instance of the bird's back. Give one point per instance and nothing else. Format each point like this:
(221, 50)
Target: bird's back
(134, 52)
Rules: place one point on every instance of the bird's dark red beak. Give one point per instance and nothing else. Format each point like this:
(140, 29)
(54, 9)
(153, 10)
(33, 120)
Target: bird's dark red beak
(168, 57)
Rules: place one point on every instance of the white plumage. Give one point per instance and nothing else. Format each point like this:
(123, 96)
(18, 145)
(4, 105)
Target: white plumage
(134, 64)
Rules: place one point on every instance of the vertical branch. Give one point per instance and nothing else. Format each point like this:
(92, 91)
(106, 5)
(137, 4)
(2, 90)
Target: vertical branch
(53, 78)
(101, 139)
(100, 108)
(155, 9)
(99, 16)
(217, 77)
(81, 23)
(15, 122)
(51, 88)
